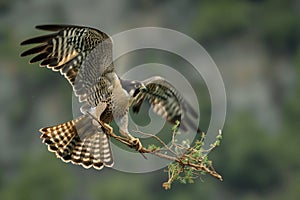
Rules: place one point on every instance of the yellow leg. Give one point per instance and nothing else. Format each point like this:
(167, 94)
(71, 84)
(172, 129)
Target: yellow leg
(132, 140)
(107, 127)
(136, 143)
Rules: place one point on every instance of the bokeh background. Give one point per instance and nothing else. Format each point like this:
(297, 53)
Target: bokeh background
(255, 44)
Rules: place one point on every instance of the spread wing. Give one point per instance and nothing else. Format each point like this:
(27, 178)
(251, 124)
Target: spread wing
(81, 54)
(166, 102)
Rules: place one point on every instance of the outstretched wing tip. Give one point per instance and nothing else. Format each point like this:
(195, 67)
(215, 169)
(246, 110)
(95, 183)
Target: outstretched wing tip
(50, 27)
(26, 42)
(65, 49)
(40, 27)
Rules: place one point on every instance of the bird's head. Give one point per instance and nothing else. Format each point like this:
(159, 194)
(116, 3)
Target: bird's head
(137, 88)
(133, 87)
(141, 88)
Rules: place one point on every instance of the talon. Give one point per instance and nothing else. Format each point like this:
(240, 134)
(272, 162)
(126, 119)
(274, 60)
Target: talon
(136, 143)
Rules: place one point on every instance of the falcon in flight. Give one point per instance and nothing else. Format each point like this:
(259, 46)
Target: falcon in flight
(83, 55)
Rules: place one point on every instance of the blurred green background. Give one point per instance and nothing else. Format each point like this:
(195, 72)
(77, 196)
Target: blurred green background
(254, 43)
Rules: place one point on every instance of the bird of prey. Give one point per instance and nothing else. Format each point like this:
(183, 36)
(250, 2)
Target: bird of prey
(83, 55)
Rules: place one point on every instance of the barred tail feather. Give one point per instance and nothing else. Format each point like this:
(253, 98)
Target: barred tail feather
(80, 142)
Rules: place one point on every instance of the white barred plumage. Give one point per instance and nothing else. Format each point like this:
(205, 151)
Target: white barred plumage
(92, 150)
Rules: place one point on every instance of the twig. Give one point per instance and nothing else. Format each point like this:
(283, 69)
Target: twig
(158, 139)
(180, 160)
(186, 160)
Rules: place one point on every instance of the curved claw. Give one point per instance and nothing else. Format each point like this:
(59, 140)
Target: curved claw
(136, 143)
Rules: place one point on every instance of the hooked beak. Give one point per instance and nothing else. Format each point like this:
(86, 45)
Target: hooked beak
(141, 89)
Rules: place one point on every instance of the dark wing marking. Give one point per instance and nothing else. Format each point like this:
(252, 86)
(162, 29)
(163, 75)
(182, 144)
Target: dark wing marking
(166, 102)
(74, 48)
